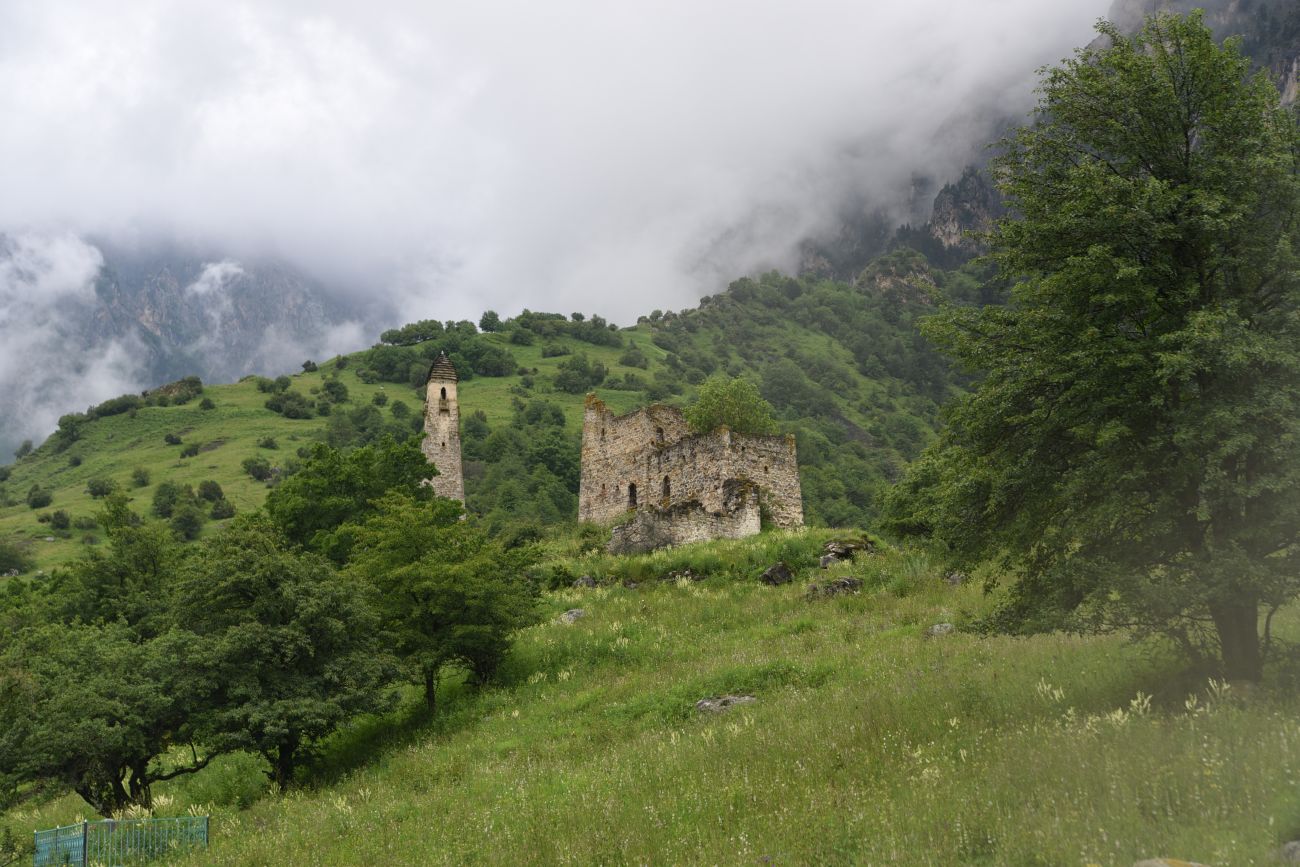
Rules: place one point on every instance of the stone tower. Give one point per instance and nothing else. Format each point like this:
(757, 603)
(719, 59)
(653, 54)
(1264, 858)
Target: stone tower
(442, 429)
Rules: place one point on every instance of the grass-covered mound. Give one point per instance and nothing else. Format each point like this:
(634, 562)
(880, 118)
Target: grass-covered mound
(868, 742)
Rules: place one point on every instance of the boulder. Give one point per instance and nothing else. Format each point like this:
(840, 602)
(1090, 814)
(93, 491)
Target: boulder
(846, 549)
(939, 629)
(585, 581)
(956, 579)
(1166, 862)
(1290, 853)
(829, 560)
(630, 585)
(835, 588)
(678, 574)
(776, 574)
(722, 702)
(572, 615)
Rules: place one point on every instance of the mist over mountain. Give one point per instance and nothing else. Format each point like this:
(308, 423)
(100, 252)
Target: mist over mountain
(225, 190)
(83, 321)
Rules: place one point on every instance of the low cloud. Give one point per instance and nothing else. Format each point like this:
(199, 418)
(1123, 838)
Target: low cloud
(443, 158)
(51, 362)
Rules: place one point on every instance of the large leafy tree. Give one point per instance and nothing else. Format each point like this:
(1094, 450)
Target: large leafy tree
(1132, 453)
(334, 488)
(288, 650)
(447, 594)
(129, 583)
(97, 710)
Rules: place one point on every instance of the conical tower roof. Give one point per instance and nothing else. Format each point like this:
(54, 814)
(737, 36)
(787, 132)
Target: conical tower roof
(442, 370)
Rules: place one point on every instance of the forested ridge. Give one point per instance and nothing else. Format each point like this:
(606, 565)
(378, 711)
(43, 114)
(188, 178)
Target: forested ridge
(842, 362)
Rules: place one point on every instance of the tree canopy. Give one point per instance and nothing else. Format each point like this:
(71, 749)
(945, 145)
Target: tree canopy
(731, 402)
(1130, 453)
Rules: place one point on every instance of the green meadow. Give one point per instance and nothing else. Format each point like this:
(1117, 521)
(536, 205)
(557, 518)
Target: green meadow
(867, 742)
(112, 447)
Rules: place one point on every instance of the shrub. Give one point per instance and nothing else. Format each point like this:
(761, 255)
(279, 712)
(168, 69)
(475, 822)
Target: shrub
(634, 357)
(190, 450)
(85, 523)
(222, 509)
(335, 390)
(341, 362)
(100, 488)
(379, 399)
(14, 558)
(74, 461)
(169, 496)
(207, 404)
(290, 404)
(117, 406)
(400, 410)
(60, 520)
(210, 491)
(522, 337)
(187, 522)
(5, 472)
(140, 477)
(554, 350)
(38, 497)
(23, 450)
(258, 468)
(267, 443)
(172, 439)
(309, 366)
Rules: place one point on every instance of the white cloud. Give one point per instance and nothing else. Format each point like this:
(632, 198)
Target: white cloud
(50, 361)
(567, 155)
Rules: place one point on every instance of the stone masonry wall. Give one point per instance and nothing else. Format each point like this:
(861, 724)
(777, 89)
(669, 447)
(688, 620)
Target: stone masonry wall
(441, 443)
(652, 452)
(651, 529)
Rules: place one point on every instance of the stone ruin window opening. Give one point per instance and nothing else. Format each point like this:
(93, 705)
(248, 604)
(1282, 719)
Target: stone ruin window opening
(602, 434)
(764, 468)
(631, 495)
(668, 489)
(659, 435)
(444, 393)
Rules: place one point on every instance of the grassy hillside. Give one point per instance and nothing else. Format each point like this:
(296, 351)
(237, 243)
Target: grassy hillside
(867, 743)
(842, 363)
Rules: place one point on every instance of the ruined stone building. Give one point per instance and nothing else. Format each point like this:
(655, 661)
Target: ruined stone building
(442, 429)
(678, 486)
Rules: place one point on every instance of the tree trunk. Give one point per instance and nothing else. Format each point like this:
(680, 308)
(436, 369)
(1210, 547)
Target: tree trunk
(141, 794)
(1237, 624)
(430, 689)
(105, 794)
(286, 757)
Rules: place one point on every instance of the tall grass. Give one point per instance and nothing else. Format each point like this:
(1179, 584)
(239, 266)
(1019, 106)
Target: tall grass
(868, 743)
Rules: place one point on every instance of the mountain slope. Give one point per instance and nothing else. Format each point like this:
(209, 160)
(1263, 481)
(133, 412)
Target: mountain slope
(82, 320)
(842, 363)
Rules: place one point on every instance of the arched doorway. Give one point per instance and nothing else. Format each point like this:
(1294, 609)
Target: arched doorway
(631, 495)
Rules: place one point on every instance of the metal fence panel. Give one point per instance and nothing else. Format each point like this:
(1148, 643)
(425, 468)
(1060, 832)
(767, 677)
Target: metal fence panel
(62, 845)
(119, 842)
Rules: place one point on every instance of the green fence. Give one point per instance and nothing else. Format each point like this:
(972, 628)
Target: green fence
(117, 842)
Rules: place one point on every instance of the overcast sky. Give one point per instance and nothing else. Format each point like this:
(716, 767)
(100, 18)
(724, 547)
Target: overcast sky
(603, 156)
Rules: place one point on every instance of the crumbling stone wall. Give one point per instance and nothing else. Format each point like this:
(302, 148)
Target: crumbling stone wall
(441, 443)
(649, 460)
(653, 528)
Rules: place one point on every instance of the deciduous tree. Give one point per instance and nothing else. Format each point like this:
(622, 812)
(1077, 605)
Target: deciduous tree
(1130, 455)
